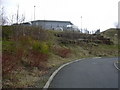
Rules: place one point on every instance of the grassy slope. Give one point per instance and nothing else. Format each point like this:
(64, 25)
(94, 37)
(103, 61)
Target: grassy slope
(112, 33)
(29, 76)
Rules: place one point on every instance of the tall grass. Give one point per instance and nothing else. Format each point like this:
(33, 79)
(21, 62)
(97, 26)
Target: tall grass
(22, 44)
(61, 51)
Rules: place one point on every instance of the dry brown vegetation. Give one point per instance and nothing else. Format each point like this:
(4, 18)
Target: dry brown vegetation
(31, 54)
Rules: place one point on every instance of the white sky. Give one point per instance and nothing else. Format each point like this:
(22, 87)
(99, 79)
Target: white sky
(95, 14)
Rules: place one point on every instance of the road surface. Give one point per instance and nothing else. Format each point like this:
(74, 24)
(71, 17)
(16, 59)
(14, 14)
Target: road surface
(87, 73)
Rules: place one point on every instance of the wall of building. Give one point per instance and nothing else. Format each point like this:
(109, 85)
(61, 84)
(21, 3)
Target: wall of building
(51, 24)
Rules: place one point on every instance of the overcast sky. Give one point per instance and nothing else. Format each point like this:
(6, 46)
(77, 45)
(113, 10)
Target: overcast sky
(95, 14)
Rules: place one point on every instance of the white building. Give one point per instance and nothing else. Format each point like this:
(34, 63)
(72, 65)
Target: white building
(52, 25)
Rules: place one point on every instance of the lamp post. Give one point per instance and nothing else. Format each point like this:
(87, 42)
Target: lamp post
(81, 24)
(34, 12)
(17, 14)
(2, 16)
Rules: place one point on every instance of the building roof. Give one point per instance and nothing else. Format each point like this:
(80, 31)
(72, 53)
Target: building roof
(52, 21)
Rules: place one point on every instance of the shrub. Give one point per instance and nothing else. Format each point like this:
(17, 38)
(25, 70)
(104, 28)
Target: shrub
(6, 32)
(44, 47)
(8, 46)
(14, 32)
(40, 46)
(24, 42)
(63, 52)
(37, 59)
(10, 61)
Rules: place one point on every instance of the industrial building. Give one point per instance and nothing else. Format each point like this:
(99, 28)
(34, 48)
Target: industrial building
(53, 25)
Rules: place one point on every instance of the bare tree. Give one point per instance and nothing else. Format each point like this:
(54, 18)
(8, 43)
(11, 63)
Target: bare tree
(22, 18)
(19, 19)
(14, 18)
(3, 17)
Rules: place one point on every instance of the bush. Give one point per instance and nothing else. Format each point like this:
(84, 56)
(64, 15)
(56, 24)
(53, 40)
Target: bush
(7, 32)
(37, 59)
(11, 61)
(40, 46)
(9, 46)
(14, 32)
(63, 52)
(24, 42)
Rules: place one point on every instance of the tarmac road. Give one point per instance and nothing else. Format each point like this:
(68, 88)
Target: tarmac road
(87, 73)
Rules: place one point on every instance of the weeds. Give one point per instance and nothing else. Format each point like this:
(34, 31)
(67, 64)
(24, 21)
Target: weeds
(37, 59)
(10, 61)
(32, 47)
(61, 51)
(24, 42)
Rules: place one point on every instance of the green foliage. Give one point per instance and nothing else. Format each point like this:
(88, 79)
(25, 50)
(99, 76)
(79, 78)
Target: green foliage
(36, 45)
(8, 46)
(0, 46)
(40, 46)
(6, 33)
(44, 47)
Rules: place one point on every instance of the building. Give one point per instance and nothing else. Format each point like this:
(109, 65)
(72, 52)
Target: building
(52, 25)
(72, 27)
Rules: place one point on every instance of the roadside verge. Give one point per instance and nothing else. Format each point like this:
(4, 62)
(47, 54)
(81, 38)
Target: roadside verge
(116, 65)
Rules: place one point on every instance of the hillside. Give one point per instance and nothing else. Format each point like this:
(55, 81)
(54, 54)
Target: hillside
(31, 54)
(111, 33)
